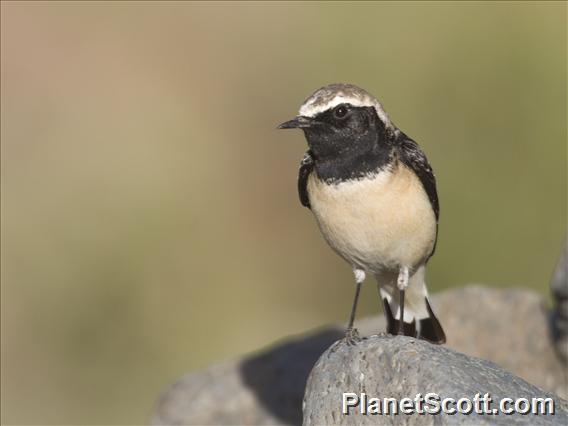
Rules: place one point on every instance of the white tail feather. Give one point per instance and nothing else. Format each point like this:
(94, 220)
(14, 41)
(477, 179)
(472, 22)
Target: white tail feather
(415, 294)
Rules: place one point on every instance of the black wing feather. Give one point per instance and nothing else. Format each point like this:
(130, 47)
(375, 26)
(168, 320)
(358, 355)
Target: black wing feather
(306, 167)
(414, 158)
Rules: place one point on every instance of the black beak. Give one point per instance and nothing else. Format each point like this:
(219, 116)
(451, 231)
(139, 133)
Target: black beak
(300, 122)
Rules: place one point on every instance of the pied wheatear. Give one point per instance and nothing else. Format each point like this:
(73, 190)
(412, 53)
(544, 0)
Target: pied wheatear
(373, 194)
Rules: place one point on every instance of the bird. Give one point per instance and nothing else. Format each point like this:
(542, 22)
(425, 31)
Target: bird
(373, 194)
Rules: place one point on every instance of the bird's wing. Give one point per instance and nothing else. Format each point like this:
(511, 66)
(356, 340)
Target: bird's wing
(413, 157)
(306, 167)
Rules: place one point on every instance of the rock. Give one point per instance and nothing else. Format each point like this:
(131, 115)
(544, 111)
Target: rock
(265, 389)
(509, 327)
(399, 367)
(559, 287)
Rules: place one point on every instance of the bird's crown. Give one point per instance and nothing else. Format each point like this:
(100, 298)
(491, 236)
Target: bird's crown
(332, 95)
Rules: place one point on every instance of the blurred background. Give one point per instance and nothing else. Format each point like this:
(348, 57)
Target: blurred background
(150, 220)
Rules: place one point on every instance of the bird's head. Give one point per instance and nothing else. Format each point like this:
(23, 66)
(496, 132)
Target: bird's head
(340, 120)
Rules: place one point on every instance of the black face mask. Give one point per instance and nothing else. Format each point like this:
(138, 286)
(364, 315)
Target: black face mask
(348, 142)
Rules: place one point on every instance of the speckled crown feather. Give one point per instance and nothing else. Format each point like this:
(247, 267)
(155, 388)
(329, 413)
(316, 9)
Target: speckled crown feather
(338, 93)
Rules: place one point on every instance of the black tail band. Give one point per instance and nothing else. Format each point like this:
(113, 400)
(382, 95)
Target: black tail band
(430, 328)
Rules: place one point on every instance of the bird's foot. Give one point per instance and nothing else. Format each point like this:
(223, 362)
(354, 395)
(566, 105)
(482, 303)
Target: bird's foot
(400, 331)
(351, 337)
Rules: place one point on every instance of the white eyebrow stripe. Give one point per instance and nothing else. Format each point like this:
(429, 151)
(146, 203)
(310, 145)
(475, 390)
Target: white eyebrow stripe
(309, 109)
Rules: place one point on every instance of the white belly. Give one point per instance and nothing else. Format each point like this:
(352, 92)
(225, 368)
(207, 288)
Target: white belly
(377, 223)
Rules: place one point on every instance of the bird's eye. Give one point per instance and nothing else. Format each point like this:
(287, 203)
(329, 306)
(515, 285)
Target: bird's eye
(340, 111)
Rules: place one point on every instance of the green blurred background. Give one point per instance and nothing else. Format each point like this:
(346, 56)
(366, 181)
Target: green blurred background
(150, 221)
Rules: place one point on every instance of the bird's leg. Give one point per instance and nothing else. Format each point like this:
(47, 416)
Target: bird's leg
(402, 283)
(351, 334)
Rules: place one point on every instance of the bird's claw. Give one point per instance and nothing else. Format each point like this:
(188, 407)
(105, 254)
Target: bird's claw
(351, 337)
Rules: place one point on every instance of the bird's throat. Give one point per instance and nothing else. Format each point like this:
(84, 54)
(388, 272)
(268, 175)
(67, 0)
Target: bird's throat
(353, 165)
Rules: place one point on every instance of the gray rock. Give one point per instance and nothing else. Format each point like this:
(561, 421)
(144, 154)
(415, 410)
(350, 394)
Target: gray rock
(264, 389)
(559, 287)
(509, 327)
(399, 367)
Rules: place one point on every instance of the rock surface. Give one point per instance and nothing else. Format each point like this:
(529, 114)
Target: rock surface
(509, 327)
(266, 389)
(409, 367)
(559, 287)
